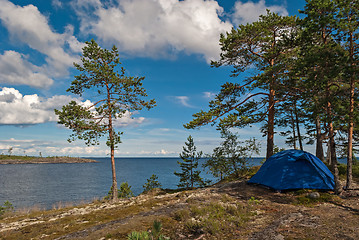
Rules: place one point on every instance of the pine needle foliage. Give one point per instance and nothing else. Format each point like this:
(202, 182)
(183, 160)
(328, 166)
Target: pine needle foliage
(189, 176)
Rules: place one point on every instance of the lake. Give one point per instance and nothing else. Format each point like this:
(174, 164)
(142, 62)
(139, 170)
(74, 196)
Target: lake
(44, 185)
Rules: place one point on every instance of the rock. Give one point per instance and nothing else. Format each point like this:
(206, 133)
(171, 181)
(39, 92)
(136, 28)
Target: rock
(314, 195)
(279, 237)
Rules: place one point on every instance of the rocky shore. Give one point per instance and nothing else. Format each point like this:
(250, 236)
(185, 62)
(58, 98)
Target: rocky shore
(37, 160)
(233, 210)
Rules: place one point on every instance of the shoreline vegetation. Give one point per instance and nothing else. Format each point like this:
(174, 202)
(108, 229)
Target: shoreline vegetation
(8, 159)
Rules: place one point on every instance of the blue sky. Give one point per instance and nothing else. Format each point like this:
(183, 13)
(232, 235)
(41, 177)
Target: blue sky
(170, 42)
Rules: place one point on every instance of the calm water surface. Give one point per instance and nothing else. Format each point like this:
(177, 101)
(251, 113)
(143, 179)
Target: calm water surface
(44, 185)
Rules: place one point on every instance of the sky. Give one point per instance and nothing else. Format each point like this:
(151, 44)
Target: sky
(169, 42)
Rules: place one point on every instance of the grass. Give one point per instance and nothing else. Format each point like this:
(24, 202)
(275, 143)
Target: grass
(218, 218)
(70, 223)
(302, 198)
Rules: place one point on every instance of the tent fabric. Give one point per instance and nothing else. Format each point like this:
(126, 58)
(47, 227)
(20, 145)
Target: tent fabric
(294, 169)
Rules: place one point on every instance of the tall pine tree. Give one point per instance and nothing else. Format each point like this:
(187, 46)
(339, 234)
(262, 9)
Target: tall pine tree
(115, 95)
(258, 46)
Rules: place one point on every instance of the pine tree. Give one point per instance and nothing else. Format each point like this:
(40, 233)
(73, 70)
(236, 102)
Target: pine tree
(348, 17)
(114, 95)
(324, 58)
(263, 47)
(189, 176)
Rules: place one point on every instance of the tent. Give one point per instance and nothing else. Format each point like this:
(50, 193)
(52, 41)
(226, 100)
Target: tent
(294, 169)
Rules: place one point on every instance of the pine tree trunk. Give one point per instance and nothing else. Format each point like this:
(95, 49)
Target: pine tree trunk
(349, 183)
(333, 157)
(329, 154)
(319, 147)
(114, 180)
(112, 147)
(293, 130)
(270, 132)
(298, 129)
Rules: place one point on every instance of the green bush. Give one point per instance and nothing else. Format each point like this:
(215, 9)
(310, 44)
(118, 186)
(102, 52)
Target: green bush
(124, 191)
(343, 170)
(6, 207)
(152, 183)
(155, 233)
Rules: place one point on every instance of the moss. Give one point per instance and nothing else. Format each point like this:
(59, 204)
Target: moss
(304, 199)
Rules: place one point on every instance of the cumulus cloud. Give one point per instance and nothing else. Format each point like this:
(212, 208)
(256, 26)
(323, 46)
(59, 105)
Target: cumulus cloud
(18, 109)
(156, 28)
(27, 25)
(127, 120)
(21, 109)
(15, 69)
(49, 148)
(250, 11)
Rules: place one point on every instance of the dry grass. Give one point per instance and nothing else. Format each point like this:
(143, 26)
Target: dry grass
(226, 211)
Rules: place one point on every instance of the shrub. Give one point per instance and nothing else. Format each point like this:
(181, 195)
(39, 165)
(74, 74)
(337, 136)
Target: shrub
(124, 191)
(6, 207)
(213, 217)
(155, 233)
(342, 168)
(152, 183)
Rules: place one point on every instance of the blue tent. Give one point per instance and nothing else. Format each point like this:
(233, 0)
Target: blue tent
(294, 169)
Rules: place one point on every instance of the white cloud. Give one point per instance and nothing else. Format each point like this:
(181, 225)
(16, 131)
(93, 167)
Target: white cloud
(15, 69)
(209, 95)
(27, 25)
(250, 11)
(156, 28)
(16, 108)
(183, 100)
(32, 109)
(127, 120)
(56, 3)
(48, 148)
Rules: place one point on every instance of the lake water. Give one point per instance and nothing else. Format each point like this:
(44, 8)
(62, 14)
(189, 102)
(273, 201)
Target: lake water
(45, 185)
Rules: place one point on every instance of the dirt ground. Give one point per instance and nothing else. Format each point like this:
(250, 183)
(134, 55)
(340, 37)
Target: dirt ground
(264, 214)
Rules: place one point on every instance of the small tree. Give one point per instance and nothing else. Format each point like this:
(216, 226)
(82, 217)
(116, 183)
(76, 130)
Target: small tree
(151, 183)
(10, 150)
(125, 191)
(6, 207)
(232, 156)
(114, 93)
(189, 177)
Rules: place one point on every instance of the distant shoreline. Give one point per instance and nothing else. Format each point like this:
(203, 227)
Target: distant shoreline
(43, 160)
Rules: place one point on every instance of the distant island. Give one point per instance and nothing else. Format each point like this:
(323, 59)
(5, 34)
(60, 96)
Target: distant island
(7, 159)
